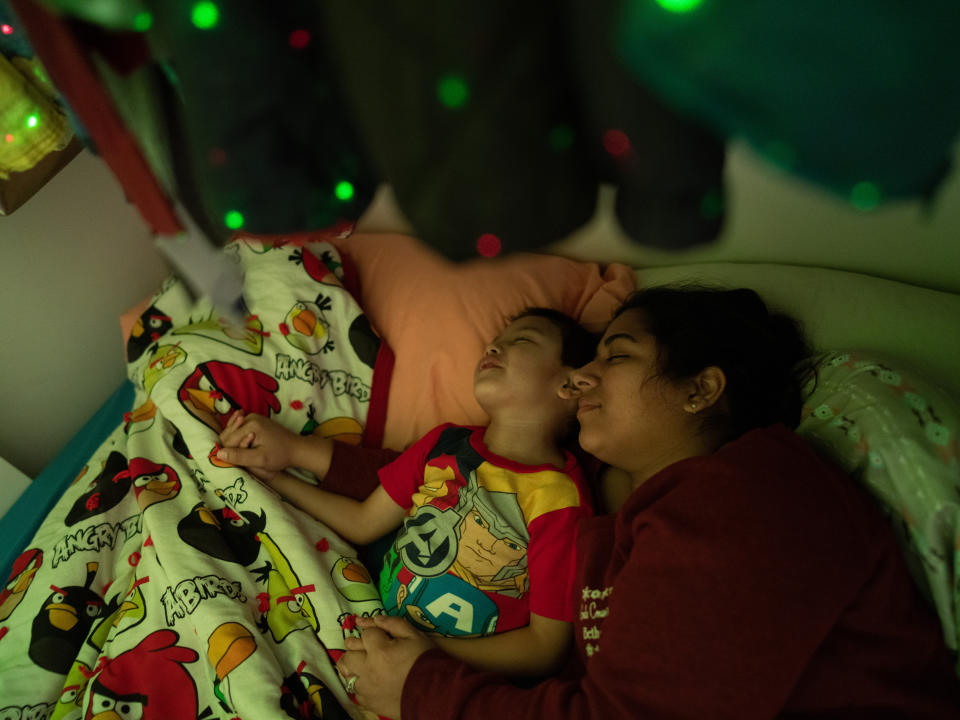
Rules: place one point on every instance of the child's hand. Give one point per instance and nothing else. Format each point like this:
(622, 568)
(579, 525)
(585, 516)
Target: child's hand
(257, 443)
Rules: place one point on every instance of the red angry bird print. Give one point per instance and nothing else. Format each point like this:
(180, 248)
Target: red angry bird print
(152, 482)
(24, 568)
(216, 389)
(319, 268)
(148, 682)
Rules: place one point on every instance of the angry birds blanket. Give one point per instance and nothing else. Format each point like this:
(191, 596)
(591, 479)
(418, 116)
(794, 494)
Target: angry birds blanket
(166, 585)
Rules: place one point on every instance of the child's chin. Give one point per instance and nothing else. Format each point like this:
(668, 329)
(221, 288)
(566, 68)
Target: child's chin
(489, 395)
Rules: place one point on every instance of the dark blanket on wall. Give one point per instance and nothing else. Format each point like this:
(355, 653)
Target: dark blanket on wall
(498, 120)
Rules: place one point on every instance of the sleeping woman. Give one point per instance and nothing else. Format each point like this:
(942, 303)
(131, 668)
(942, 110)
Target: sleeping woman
(738, 576)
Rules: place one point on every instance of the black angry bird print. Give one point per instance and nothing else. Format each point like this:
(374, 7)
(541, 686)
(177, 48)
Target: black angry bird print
(150, 326)
(304, 697)
(104, 492)
(222, 533)
(364, 340)
(65, 619)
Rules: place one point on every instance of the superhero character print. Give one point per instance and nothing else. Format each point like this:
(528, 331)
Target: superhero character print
(461, 543)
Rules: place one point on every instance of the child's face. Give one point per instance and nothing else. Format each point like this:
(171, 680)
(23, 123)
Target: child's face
(522, 367)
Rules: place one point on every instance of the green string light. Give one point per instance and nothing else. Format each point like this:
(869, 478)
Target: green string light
(453, 91)
(233, 219)
(142, 21)
(711, 205)
(33, 121)
(865, 196)
(205, 15)
(561, 138)
(343, 190)
(679, 6)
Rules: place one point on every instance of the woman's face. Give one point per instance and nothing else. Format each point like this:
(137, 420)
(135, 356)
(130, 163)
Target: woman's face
(629, 417)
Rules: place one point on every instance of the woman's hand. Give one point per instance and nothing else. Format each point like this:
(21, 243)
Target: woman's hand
(380, 660)
(259, 444)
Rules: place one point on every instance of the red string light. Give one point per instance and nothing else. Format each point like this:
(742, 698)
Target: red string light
(488, 245)
(299, 39)
(6, 29)
(616, 142)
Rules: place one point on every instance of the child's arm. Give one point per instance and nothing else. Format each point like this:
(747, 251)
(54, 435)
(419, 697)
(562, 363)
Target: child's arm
(536, 650)
(265, 447)
(357, 522)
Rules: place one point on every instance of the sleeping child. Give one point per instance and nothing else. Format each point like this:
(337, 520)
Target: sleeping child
(484, 558)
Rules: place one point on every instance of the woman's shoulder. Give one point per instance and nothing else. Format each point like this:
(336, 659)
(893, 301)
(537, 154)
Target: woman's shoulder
(775, 451)
(768, 479)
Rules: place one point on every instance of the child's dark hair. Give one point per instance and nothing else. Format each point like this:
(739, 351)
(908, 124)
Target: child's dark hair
(763, 354)
(577, 345)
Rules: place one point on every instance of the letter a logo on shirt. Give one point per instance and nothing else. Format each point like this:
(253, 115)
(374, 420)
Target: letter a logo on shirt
(457, 608)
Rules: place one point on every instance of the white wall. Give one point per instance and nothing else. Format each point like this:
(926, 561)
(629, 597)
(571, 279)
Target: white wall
(773, 217)
(77, 255)
(72, 259)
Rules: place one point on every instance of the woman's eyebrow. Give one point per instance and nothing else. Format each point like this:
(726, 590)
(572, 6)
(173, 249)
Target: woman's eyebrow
(619, 336)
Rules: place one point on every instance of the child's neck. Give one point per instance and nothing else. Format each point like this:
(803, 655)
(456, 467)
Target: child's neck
(525, 442)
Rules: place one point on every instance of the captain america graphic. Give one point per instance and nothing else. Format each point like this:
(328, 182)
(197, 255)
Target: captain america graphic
(447, 561)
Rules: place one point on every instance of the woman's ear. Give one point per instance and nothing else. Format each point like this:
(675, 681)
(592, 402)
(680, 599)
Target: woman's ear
(706, 389)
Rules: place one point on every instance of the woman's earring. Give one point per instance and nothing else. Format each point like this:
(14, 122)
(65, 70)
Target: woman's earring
(693, 407)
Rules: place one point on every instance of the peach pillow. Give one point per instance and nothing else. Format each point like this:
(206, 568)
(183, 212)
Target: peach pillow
(436, 315)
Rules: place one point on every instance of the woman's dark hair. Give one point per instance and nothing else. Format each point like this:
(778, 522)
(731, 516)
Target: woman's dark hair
(577, 345)
(763, 354)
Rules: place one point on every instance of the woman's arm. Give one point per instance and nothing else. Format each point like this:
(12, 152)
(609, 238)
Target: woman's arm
(357, 522)
(393, 660)
(535, 650)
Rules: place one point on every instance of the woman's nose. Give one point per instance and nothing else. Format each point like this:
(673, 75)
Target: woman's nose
(577, 382)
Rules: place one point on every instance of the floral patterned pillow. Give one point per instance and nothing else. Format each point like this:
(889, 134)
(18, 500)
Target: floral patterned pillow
(897, 433)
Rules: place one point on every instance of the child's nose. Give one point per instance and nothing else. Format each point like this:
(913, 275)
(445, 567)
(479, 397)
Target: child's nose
(568, 391)
(491, 349)
(583, 379)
